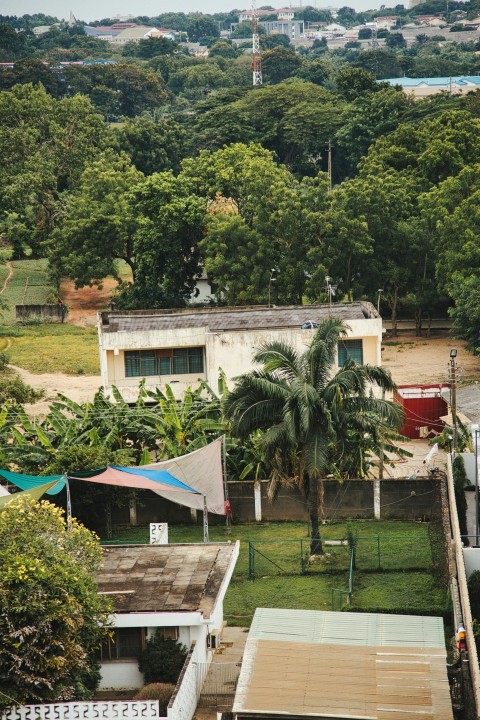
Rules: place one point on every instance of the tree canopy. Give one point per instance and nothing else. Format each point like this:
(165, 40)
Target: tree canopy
(52, 619)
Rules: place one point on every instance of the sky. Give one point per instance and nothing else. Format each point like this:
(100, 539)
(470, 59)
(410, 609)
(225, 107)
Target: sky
(89, 10)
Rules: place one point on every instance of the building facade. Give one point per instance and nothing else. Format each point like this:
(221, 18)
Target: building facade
(181, 347)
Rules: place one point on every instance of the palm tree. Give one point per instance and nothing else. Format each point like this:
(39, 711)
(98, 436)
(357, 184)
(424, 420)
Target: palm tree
(315, 422)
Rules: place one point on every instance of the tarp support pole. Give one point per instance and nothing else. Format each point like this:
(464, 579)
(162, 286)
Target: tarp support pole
(69, 503)
(205, 520)
(228, 519)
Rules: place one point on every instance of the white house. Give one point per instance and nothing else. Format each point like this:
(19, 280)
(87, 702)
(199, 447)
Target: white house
(178, 589)
(181, 347)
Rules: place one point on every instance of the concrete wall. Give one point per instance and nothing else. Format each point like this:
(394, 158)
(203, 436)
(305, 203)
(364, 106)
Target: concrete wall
(53, 312)
(232, 351)
(399, 499)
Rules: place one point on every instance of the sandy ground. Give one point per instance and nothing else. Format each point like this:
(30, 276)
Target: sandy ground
(413, 360)
(79, 388)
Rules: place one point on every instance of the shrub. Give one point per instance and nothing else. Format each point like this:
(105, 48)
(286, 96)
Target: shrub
(13, 388)
(157, 691)
(4, 360)
(459, 482)
(474, 593)
(161, 660)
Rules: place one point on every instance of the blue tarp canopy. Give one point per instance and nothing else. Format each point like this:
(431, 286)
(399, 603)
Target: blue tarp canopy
(161, 476)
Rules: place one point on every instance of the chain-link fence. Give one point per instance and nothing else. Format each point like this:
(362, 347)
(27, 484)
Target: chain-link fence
(373, 553)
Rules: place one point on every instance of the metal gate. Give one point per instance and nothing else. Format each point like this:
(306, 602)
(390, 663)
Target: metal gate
(218, 682)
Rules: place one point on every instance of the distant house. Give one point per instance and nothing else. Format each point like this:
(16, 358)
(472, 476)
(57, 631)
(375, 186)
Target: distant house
(123, 32)
(385, 22)
(176, 589)
(307, 663)
(135, 34)
(422, 87)
(180, 347)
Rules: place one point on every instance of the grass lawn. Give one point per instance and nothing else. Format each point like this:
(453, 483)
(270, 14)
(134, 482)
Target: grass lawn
(29, 285)
(414, 590)
(52, 347)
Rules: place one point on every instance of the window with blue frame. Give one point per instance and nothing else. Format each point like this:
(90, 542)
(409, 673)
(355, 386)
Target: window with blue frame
(350, 350)
(168, 361)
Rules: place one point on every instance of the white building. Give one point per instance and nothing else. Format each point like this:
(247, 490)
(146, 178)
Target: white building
(181, 347)
(177, 589)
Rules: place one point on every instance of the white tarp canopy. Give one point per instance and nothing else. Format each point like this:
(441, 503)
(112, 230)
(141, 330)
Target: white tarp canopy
(202, 470)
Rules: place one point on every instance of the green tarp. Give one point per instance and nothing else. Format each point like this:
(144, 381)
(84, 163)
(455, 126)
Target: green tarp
(35, 493)
(30, 482)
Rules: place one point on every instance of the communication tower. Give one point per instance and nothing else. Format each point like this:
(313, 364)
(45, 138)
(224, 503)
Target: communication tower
(256, 55)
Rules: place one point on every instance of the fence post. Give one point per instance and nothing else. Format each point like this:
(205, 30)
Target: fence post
(378, 551)
(251, 559)
(376, 500)
(257, 496)
(302, 565)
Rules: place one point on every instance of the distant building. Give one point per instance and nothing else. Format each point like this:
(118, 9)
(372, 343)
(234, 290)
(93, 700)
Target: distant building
(422, 87)
(121, 33)
(293, 29)
(386, 22)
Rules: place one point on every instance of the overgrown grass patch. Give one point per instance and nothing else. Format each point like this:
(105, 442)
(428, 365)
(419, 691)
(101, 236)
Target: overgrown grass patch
(52, 347)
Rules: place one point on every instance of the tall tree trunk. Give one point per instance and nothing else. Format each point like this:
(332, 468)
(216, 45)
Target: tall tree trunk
(314, 500)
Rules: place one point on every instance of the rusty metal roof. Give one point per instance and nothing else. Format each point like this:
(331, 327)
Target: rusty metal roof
(165, 578)
(231, 319)
(343, 665)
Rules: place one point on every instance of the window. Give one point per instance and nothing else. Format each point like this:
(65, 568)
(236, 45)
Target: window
(169, 361)
(125, 644)
(350, 350)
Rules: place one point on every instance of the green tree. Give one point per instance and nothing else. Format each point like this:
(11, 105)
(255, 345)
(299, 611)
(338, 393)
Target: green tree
(31, 71)
(171, 218)
(382, 63)
(395, 40)
(44, 146)
(260, 218)
(279, 63)
(154, 146)
(325, 422)
(52, 619)
(99, 224)
(352, 82)
(367, 118)
(224, 49)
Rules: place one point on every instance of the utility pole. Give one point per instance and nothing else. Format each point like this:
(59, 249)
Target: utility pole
(453, 395)
(256, 54)
(329, 166)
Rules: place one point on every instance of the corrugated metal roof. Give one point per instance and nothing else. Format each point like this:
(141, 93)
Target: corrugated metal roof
(338, 628)
(434, 81)
(343, 665)
(223, 319)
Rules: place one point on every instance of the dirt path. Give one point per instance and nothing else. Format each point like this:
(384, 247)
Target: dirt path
(84, 303)
(9, 275)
